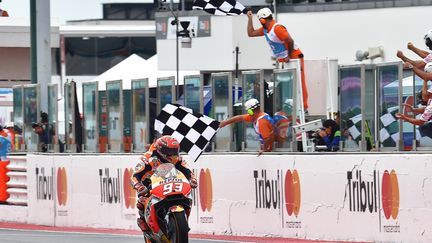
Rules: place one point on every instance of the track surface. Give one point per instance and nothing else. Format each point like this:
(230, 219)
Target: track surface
(23, 233)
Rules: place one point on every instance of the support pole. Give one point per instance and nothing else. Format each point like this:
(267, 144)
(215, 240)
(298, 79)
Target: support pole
(40, 31)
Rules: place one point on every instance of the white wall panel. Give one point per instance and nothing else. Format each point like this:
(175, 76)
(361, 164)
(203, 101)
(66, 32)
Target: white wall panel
(361, 197)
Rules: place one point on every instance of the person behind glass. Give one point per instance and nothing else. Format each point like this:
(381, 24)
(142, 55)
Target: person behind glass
(425, 111)
(280, 42)
(331, 135)
(42, 133)
(262, 122)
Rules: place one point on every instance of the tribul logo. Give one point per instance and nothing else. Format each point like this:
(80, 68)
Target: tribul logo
(44, 183)
(268, 189)
(129, 191)
(110, 185)
(292, 192)
(390, 194)
(205, 190)
(62, 186)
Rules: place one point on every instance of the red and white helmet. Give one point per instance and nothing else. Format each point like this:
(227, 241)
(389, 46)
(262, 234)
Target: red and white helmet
(168, 148)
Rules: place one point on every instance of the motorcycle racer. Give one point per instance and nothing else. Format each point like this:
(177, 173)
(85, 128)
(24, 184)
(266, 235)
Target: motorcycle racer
(164, 150)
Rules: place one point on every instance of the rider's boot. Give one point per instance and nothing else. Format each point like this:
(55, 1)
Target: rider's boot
(143, 225)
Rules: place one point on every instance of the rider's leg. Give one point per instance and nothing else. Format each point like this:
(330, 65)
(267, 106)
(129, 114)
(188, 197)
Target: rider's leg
(141, 220)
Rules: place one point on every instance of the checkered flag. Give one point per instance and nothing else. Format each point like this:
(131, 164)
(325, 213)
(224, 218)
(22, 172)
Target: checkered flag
(220, 7)
(193, 130)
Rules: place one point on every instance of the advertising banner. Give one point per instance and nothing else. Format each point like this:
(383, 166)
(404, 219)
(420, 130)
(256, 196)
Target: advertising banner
(41, 190)
(362, 197)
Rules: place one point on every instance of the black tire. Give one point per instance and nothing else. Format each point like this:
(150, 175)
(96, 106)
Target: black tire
(179, 228)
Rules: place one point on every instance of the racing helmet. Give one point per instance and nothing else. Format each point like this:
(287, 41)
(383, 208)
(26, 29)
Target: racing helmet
(428, 39)
(168, 148)
(264, 13)
(251, 105)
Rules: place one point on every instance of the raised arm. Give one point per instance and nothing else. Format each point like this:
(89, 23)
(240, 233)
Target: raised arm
(250, 29)
(419, 52)
(231, 120)
(418, 64)
(423, 75)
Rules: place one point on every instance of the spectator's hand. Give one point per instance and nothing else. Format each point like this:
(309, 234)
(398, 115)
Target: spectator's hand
(249, 14)
(222, 124)
(399, 54)
(407, 65)
(410, 46)
(400, 116)
(260, 152)
(322, 133)
(407, 105)
(193, 183)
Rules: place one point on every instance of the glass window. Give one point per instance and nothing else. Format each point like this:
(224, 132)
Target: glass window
(369, 109)
(140, 114)
(115, 117)
(31, 109)
(251, 86)
(52, 116)
(350, 107)
(90, 96)
(95, 55)
(165, 92)
(283, 105)
(192, 93)
(80, 56)
(18, 116)
(127, 120)
(110, 51)
(388, 80)
(69, 117)
(251, 89)
(144, 47)
(221, 108)
(103, 124)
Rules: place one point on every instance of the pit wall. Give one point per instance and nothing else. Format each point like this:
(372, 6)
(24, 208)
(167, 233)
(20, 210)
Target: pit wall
(358, 197)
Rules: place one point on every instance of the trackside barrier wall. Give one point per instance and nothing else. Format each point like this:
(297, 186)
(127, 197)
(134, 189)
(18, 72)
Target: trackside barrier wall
(17, 184)
(361, 197)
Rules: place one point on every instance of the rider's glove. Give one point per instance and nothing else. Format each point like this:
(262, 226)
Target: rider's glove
(193, 183)
(141, 189)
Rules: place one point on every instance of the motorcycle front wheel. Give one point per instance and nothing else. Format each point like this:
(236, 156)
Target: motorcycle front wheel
(178, 228)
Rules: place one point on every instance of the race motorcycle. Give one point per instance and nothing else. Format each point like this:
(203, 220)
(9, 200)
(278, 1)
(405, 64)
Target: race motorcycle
(167, 208)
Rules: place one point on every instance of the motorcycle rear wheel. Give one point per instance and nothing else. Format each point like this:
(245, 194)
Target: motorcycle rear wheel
(179, 228)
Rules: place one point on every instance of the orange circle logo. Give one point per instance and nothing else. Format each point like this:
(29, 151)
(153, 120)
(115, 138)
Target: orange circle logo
(390, 194)
(129, 192)
(292, 192)
(205, 190)
(61, 186)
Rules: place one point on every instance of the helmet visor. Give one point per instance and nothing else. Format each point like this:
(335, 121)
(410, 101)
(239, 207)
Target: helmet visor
(169, 151)
(428, 43)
